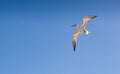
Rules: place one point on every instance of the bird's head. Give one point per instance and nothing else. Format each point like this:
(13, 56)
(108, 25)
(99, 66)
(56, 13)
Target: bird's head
(74, 25)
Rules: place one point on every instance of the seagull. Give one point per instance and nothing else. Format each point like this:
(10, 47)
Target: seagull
(80, 29)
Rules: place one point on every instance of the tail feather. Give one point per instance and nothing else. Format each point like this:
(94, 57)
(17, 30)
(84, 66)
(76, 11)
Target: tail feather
(86, 31)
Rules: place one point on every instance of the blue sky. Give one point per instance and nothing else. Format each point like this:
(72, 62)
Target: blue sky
(36, 37)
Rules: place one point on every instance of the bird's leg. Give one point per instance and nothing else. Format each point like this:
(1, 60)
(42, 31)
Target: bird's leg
(86, 31)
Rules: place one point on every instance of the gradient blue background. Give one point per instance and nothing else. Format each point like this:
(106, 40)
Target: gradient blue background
(35, 37)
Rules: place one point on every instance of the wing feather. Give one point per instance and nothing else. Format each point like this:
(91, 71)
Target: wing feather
(74, 43)
(85, 19)
(74, 37)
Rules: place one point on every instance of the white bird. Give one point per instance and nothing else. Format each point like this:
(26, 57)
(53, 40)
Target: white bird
(80, 29)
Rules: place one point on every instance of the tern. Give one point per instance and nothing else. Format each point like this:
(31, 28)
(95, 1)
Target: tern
(80, 29)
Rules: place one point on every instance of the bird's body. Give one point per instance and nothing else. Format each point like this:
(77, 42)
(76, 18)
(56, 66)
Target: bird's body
(80, 29)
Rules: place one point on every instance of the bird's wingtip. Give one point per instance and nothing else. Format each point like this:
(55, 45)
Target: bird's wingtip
(74, 50)
(96, 16)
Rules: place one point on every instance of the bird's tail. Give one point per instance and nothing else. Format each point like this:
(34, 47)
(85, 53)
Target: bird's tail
(86, 31)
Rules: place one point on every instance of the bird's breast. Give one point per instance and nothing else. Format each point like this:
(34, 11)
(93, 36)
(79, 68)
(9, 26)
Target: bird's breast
(77, 33)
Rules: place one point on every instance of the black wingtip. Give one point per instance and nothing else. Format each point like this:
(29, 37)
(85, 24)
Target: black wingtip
(74, 48)
(95, 16)
(74, 44)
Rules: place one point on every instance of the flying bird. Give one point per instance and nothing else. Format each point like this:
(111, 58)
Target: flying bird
(80, 29)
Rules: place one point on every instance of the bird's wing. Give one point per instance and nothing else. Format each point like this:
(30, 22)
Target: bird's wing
(74, 37)
(74, 43)
(91, 17)
(85, 19)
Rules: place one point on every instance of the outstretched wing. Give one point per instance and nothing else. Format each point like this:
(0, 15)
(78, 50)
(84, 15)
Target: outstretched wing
(91, 17)
(85, 19)
(74, 37)
(74, 43)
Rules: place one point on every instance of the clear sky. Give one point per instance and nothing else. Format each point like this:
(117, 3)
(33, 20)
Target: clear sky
(35, 37)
